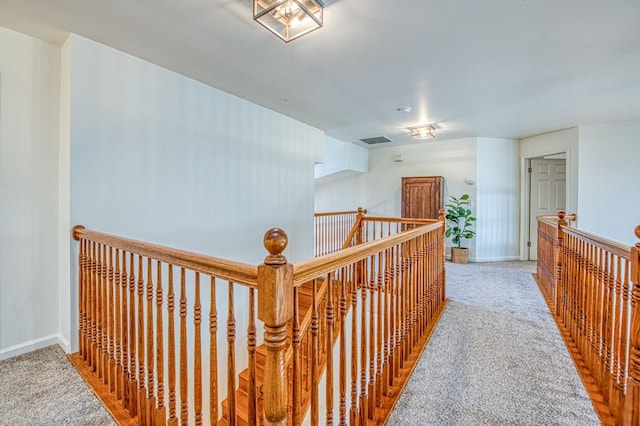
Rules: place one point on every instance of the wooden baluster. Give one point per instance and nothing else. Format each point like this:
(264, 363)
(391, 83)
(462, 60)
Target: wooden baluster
(607, 308)
(363, 413)
(173, 417)
(97, 308)
(353, 413)
(387, 288)
(124, 280)
(81, 294)
(625, 347)
(392, 290)
(275, 308)
(93, 309)
(379, 288)
(314, 355)
(118, 329)
(133, 383)
(142, 394)
(161, 412)
(184, 356)
(251, 348)
(231, 358)
(296, 341)
(619, 339)
(111, 319)
(97, 319)
(213, 355)
(607, 285)
(104, 356)
(197, 355)
(329, 344)
(632, 400)
(150, 397)
(343, 351)
(373, 337)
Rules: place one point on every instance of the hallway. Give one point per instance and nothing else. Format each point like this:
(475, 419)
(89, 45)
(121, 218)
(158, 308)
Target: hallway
(495, 358)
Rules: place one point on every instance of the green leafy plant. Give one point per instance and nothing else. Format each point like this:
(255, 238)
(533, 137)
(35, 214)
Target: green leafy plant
(459, 220)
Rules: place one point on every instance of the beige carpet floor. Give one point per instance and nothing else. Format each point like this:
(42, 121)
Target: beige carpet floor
(495, 358)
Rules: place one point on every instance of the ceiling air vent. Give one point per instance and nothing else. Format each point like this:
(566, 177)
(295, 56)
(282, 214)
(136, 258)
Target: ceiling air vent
(376, 140)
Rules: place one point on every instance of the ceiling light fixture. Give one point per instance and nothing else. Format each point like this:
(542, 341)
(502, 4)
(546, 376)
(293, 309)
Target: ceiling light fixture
(423, 132)
(289, 19)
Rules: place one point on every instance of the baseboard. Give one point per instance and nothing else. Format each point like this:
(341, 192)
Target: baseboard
(489, 259)
(29, 346)
(64, 343)
(495, 259)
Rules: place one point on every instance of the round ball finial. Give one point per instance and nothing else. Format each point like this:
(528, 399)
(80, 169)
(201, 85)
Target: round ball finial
(561, 215)
(275, 241)
(637, 231)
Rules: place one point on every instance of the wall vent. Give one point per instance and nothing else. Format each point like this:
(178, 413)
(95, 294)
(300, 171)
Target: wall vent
(376, 140)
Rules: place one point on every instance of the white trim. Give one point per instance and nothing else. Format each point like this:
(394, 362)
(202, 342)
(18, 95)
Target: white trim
(64, 343)
(494, 259)
(29, 346)
(525, 189)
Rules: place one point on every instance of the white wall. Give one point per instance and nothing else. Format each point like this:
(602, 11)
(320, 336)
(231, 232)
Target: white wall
(498, 200)
(339, 156)
(29, 85)
(609, 193)
(159, 157)
(379, 190)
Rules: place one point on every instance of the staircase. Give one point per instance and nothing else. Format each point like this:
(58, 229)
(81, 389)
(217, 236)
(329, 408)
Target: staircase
(305, 304)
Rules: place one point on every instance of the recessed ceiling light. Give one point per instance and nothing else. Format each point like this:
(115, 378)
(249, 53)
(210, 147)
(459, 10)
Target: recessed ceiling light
(404, 110)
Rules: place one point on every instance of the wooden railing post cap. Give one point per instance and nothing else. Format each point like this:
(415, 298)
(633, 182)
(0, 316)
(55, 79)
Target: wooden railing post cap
(275, 241)
(561, 215)
(74, 232)
(441, 214)
(362, 211)
(637, 232)
(275, 281)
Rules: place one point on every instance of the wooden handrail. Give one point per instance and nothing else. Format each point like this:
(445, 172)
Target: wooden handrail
(613, 247)
(405, 220)
(305, 271)
(335, 213)
(236, 272)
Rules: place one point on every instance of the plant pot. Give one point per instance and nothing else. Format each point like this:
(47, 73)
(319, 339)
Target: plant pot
(459, 255)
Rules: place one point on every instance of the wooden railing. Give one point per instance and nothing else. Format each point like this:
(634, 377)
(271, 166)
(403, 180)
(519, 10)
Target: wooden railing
(143, 348)
(333, 229)
(592, 287)
(395, 288)
(141, 313)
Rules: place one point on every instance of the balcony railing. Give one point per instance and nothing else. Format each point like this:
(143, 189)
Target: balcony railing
(346, 324)
(592, 287)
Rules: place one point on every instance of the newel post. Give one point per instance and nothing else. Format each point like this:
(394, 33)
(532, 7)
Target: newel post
(275, 308)
(557, 289)
(359, 217)
(632, 399)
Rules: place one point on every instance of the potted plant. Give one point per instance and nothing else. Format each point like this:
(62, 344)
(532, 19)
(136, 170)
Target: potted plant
(459, 223)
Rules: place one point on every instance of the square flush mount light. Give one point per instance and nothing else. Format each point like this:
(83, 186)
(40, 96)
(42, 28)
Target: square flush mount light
(289, 19)
(423, 132)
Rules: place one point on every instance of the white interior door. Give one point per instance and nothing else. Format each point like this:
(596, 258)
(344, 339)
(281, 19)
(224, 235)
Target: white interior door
(548, 180)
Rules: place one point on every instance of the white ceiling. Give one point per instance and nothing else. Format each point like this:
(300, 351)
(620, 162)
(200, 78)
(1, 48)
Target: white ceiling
(498, 68)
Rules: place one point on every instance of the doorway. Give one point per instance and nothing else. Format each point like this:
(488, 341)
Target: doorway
(547, 193)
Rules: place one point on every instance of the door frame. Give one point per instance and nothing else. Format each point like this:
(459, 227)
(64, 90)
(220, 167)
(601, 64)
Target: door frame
(525, 190)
